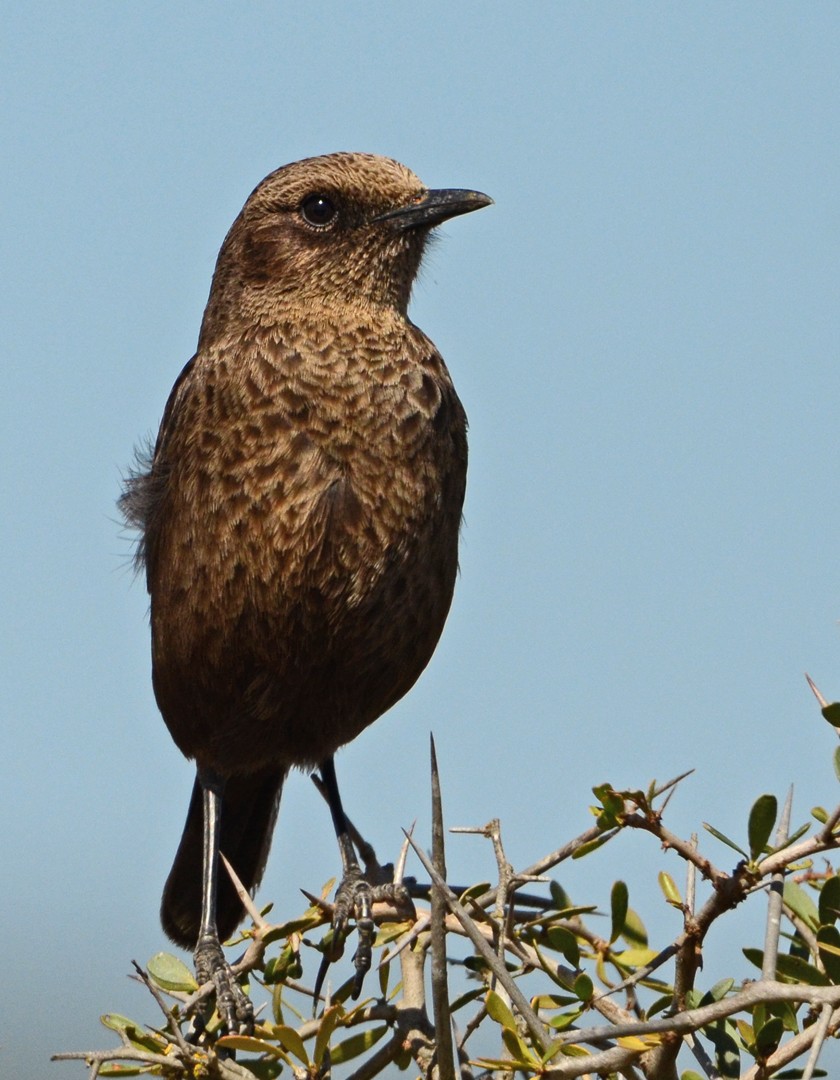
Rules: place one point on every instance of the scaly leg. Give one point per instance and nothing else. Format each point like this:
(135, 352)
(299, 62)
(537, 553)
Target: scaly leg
(234, 1006)
(355, 895)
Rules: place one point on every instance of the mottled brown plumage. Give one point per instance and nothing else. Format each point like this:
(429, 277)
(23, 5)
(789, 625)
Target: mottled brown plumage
(299, 517)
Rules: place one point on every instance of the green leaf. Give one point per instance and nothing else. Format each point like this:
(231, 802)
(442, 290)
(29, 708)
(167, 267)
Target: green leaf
(718, 992)
(474, 891)
(583, 987)
(507, 1065)
(384, 975)
(664, 1002)
(390, 931)
(761, 821)
(669, 888)
(264, 1068)
(329, 1022)
(837, 762)
(285, 966)
(633, 931)
(116, 1022)
(135, 1033)
(592, 845)
(690, 1074)
(551, 1053)
(564, 1020)
(820, 813)
(798, 970)
(499, 1010)
(727, 1056)
(786, 1012)
(465, 999)
(517, 1048)
(563, 941)
(290, 1041)
(559, 896)
(768, 1037)
(356, 1044)
(170, 973)
(828, 903)
(619, 900)
(794, 836)
(115, 1069)
(832, 713)
(635, 958)
(250, 1044)
(552, 1001)
(608, 815)
(828, 940)
(755, 957)
(724, 839)
(801, 904)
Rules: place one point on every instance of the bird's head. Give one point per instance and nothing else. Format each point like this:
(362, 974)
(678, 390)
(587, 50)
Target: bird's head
(343, 228)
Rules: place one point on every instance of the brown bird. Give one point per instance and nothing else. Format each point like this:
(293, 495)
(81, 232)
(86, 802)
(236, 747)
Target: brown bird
(298, 518)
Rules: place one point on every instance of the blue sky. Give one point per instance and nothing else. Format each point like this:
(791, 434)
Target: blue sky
(644, 330)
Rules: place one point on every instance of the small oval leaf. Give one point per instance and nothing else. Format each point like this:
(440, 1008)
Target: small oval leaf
(828, 940)
(329, 1022)
(801, 904)
(356, 1044)
(290, 1041)
(828, 904)
(249, 1044)
(761, 821)
(583, 987)
(634, 932)
(563, 941)
(798, 970)
(832, 713)
(499, 1010)
(170, 973)
(669, 888)
(619, 901)
(768, 1037)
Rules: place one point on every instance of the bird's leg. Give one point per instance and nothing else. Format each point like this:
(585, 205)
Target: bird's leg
(232, 1003)
(355, 895)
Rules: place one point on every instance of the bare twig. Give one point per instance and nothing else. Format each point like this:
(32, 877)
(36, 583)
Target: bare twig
(171, 1022)
(819, 1039)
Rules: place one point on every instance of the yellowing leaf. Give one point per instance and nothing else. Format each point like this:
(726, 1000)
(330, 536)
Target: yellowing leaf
(639, 1042)
(499, 1010)
(249, 1044)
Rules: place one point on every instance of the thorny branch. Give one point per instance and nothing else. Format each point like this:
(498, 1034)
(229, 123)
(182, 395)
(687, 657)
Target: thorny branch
(512, 933)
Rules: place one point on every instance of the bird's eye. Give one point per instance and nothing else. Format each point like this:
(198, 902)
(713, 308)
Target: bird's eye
(318, 210)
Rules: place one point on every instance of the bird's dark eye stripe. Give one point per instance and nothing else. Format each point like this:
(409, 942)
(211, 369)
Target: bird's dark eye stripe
(318, 210)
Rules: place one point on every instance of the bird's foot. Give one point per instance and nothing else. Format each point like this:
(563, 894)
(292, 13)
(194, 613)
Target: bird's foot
(354, 899)
(232, 1003)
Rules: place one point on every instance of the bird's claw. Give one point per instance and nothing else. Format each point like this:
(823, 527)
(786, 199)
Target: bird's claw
(233, 1005)
(354, 899)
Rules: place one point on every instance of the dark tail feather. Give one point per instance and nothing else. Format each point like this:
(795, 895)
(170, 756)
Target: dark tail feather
(249, 812)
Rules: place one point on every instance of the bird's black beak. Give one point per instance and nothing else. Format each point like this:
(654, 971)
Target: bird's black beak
(433, 207)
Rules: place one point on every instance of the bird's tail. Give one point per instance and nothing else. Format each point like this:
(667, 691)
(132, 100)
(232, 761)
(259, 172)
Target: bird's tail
(249, 812)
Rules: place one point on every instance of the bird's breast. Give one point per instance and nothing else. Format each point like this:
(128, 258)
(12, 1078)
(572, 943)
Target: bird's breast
(312, 463)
